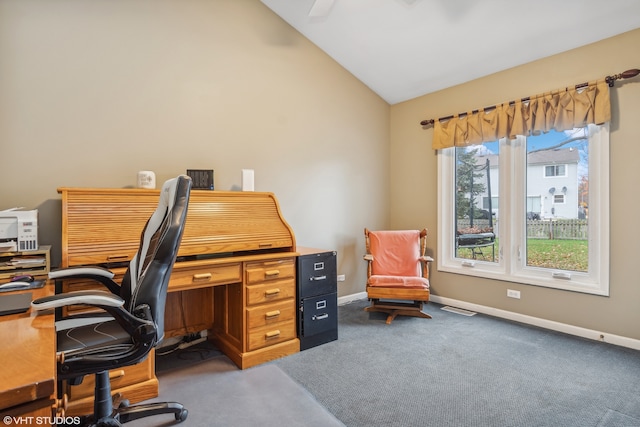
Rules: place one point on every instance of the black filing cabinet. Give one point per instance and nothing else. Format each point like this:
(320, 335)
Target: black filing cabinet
(317, 297)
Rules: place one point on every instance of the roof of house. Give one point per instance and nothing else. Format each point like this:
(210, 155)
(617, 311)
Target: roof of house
(549, 157)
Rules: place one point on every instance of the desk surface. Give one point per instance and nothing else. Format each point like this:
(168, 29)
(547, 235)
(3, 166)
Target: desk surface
(27, 352)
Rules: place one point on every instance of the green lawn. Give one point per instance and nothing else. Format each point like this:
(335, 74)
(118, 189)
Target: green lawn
(572, 255)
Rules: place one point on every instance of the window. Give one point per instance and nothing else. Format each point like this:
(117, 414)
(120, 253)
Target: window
(549, 232)
(555, 170)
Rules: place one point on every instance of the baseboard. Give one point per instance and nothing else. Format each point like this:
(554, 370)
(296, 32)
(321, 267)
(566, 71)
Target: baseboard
(522, 318)
(351, 298)
(542, 323)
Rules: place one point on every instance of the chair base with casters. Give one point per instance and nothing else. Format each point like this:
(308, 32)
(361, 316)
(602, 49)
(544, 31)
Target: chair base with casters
(397, 273)
(106, 413)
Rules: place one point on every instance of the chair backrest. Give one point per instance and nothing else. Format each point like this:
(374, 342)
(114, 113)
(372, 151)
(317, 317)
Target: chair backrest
(396, 252)
(147, 277)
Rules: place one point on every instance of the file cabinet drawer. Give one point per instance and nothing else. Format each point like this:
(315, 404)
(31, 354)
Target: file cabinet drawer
(257, 272)
(270, 314)
(204, 276)
(317, 274)
(271, 292)
(271, 334)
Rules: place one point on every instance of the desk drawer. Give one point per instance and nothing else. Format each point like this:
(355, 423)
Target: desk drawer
(257, 272)
(271, 291)
(120, 377)
(204, 276)
(270, 314)
(271, 334)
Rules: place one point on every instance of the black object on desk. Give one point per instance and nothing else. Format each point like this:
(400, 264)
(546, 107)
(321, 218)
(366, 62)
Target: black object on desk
(15, 303)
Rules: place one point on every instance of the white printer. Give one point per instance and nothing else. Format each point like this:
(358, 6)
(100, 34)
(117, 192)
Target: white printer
(18, 230)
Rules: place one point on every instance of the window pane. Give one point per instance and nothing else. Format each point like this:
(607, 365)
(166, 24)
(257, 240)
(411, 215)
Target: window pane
(557, 200)
(476, 202)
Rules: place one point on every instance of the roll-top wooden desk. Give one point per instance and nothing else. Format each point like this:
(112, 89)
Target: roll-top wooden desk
(234, 275)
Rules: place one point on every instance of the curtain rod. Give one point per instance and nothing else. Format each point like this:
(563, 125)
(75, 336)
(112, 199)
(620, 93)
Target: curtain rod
(609, 79)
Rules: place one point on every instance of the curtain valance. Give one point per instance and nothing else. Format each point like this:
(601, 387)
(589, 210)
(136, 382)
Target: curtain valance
(559, 110)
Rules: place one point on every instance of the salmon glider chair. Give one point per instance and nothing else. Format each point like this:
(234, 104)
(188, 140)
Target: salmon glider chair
(397, 272)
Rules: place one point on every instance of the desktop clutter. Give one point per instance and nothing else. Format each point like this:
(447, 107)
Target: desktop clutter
(23, 264)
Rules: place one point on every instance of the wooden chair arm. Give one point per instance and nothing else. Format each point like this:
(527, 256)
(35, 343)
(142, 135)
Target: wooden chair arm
(368, 257)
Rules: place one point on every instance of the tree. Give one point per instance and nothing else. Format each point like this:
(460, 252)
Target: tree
(469, 181)
(583, 191)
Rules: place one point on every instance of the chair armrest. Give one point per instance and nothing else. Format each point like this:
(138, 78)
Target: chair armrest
(368, 257)
(426, 259)
(80, 271)
(97, 274)
(94, 298)
(137, 324)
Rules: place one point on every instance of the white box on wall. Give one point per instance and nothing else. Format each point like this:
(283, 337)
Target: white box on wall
(247, 180)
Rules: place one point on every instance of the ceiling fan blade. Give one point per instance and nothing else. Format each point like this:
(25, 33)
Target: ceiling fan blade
(320, 8)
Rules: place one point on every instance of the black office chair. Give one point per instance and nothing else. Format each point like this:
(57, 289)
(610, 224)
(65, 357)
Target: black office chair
(133, 319)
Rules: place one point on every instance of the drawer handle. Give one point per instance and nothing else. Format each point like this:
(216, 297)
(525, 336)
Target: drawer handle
(117, 257)
(320, 316)
(272, 334)
(270, 314)
(312, 278)
(271, 273)
(271, 292)
(62, 405)
(202, 276)
(114, 375)
(265, 245)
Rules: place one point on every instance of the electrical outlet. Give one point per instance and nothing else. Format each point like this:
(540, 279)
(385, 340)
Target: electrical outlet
(513, 294)
(341, 277)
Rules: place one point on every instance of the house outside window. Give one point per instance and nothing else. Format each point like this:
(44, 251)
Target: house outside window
(552, 225)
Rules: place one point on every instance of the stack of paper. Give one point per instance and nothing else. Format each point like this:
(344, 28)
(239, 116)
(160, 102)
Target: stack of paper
(27, 261)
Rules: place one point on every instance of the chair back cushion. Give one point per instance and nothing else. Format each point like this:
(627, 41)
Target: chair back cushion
(395, 253)
(147, 277)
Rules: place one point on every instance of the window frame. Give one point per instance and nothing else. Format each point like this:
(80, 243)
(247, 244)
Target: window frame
(511, 255)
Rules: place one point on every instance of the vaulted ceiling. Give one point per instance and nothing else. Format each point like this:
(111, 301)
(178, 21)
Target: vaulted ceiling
(402, 49)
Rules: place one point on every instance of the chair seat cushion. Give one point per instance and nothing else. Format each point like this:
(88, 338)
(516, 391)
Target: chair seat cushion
(102, 333)
(413, 282)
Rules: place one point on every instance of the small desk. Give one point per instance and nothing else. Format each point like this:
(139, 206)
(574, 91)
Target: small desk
(28, 367)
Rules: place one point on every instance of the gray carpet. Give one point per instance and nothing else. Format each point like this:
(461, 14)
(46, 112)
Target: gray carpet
(454, 370)
(451, 370)
(217, 393)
